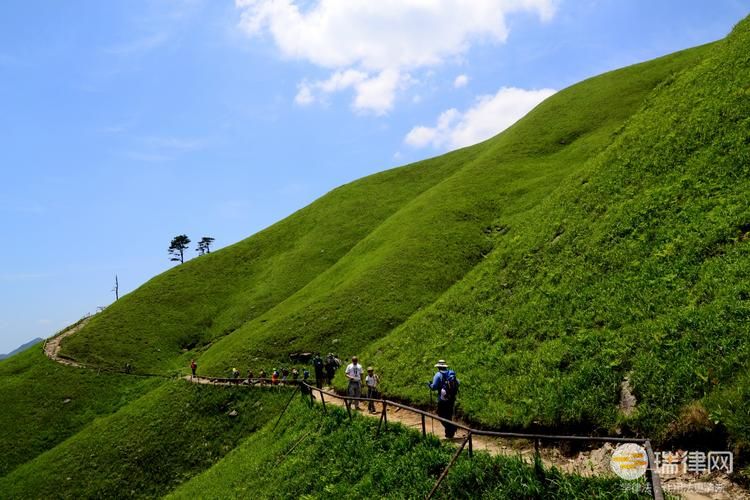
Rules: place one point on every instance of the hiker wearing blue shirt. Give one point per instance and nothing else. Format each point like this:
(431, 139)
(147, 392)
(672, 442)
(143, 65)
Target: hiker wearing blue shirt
(446, 383)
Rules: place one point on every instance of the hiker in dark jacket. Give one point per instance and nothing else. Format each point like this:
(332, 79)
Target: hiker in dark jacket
(318, 367)
(446, 383)
(332, 364)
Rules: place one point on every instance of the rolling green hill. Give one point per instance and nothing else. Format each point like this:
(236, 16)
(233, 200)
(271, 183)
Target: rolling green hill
(358, 263)
(635, 266)
(44, 403)
(602, 237)
(148, 447)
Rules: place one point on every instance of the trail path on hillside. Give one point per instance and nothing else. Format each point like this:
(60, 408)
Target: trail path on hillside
(52, 346)
(592, 462)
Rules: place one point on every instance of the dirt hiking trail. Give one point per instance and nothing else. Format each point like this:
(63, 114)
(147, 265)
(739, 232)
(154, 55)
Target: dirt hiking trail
(592, 462)
(52, 345)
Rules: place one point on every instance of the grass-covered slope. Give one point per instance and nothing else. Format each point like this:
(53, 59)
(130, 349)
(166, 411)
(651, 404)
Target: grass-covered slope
(434, 240)
(211, 296)
(44, 403)
(307, 458)
(361, 260)
(600, 237)
(148, 447)
(636, 266)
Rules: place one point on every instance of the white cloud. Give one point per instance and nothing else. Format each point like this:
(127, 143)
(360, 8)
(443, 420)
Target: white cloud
(460, 81)
(490, 115)
(372, 93)
(304, 95)
(381, 42)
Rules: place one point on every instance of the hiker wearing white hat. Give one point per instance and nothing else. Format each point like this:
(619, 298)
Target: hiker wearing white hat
(446, 383)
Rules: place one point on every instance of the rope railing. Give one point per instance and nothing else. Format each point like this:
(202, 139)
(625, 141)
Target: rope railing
(652, 473)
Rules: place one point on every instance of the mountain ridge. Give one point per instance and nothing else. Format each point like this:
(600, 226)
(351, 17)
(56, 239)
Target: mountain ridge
(22, 347)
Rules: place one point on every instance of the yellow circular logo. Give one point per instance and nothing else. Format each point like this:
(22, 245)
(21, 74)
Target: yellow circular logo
(629, 461)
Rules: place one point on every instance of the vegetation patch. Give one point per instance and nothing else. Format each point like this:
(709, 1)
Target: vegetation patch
(148, 447)
(316, 456)
(44, 403)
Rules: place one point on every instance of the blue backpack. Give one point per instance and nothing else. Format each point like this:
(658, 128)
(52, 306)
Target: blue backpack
(449, 386)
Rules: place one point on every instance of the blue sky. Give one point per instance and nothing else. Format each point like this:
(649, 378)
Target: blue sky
(124, 123)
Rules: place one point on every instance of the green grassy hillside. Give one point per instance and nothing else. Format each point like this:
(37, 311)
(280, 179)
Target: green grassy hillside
(148, 447)
(44, 403)
(473, 246)
(335, 459)
(635, 266)
(356, 264)
(603, 236)
(414, 256)
(211, 296)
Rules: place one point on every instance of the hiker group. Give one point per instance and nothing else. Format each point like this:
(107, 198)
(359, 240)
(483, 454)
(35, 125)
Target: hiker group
(444, 382)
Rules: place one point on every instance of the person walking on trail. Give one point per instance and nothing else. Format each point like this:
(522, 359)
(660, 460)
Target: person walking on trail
(332, 364)
(275, 377)
(193, 367)
(235, 374)
(250, 377)
(371, 381)
(262, 376)
(295, 374)
(354, 374)
(318, 367)
(305, 375)
(446, 383)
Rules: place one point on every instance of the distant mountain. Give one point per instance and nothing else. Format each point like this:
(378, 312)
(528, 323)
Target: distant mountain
(22, 348)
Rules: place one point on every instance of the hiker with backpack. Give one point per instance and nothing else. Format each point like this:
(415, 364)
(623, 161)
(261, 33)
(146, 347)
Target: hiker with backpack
(331, 365)
(318, 366)
(446, 383)
(193, 367)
